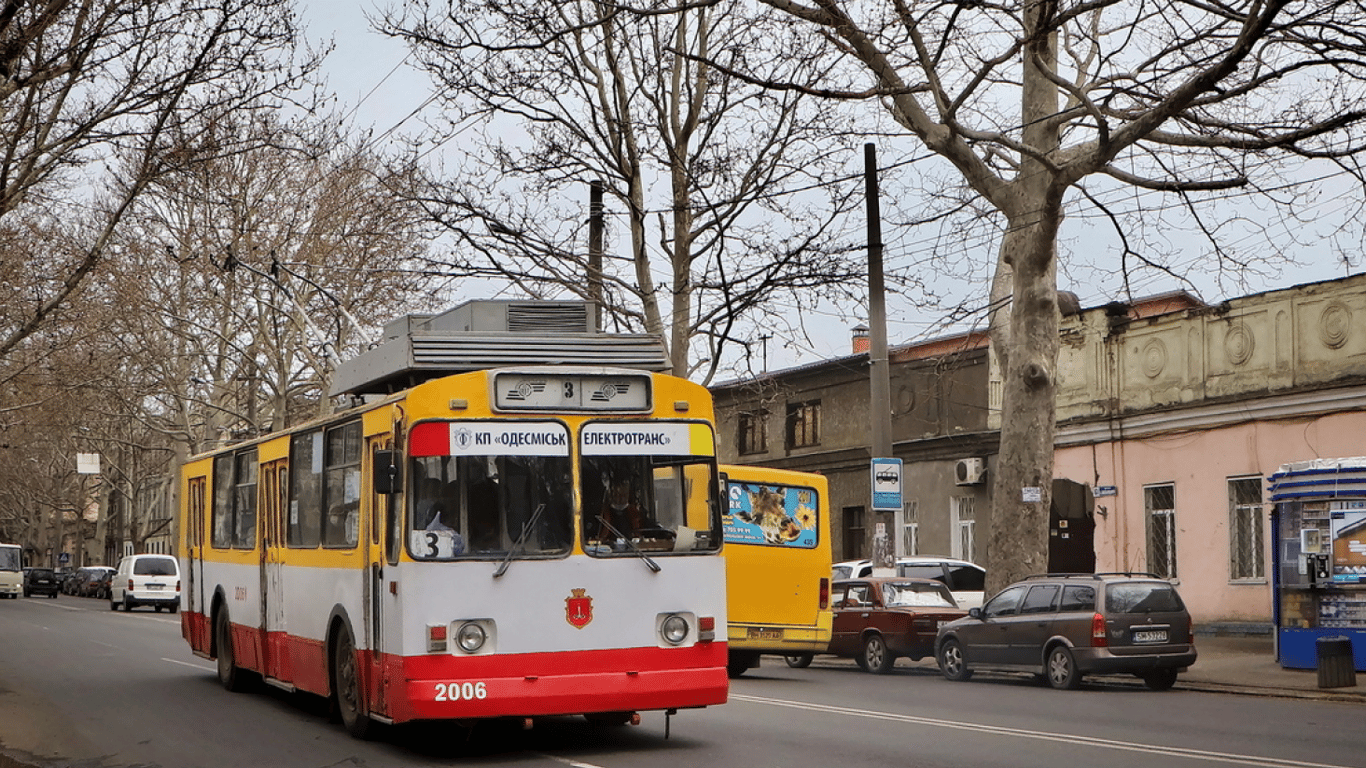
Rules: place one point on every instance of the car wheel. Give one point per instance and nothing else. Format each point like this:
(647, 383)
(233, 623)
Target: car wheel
(1061, 669)
(1160, 679)
(736, 668)
(127, 604)
(799, 660)
(877, 657)
(172, 607)
(951, 662)
(113, 606)
(346, 686)
(230, 675)
(156, 608)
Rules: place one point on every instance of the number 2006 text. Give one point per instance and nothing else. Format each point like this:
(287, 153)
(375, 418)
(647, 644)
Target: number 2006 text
(461, 691)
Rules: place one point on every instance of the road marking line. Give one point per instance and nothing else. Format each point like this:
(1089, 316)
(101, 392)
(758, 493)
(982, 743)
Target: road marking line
(1126, 746)
(192, 666)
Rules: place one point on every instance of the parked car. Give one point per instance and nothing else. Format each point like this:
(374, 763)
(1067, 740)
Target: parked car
(965, 580)
(878, 619)
(70, 580)
(88, 582)
(146, 580)
(852, 569)
(100, 590)
(40, 581)
(1065, 626)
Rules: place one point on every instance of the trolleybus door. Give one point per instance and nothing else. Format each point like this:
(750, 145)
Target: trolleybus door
(198, 622)
(275, 477)
(372, 535)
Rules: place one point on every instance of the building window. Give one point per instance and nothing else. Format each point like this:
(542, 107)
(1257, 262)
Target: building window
(753, 432)
(1159, 502)
(853, 533)
(963, 514)
(1245, 545)
(804, 424)
(910, 527)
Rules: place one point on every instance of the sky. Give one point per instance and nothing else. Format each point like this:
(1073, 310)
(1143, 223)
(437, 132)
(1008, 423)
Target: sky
(369, 74)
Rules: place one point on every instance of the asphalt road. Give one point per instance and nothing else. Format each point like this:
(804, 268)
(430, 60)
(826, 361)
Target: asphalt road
(83, 686)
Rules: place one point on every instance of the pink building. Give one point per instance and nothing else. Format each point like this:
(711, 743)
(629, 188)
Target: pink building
(1173, 414)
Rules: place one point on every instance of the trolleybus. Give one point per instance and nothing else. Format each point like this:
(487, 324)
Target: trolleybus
(510, 542)
(778, 562)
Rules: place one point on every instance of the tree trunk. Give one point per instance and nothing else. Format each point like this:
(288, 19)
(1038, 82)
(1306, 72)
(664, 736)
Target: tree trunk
(1022, 490)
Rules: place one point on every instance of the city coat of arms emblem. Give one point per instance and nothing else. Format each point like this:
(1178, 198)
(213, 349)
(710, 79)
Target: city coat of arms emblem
(578, 608)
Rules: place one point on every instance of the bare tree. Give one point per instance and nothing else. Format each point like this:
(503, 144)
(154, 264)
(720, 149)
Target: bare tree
(249, 274)
(1039, 105)
(92, 93)
(719, 185)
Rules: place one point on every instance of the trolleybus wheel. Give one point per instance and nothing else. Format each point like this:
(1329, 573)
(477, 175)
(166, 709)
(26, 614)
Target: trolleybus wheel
(346, 686)
(230, 675)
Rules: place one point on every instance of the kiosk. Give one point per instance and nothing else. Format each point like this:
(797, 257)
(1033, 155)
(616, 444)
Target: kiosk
(1318, 520)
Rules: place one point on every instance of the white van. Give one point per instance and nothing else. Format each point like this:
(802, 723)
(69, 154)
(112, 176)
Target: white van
(146, 580)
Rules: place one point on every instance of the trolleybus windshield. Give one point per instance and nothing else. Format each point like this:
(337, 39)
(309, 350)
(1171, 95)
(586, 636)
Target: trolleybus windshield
(477, 488)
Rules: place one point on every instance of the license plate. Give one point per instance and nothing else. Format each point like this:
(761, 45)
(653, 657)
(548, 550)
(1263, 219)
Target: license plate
(765, 634)
(155, 586)
(1150, 636)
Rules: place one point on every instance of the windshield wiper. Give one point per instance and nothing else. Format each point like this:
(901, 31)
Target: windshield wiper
(517, 545)
(648, 560)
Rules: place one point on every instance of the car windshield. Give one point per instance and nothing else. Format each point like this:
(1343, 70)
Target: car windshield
(1142, 597)
(154, 566)
(916, 594)
(843, 571)
(40, 573)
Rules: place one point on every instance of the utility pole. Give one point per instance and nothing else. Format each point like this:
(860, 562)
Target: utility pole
(879, 377)
(884, 469)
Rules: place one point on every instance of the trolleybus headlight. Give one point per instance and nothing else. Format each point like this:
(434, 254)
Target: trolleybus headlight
(470, 637)
(674, 630)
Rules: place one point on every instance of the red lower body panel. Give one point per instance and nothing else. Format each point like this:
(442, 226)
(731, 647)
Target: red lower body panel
(455, 686)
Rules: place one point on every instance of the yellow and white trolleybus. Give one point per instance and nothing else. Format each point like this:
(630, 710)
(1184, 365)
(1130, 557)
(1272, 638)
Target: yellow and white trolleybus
(509, 542)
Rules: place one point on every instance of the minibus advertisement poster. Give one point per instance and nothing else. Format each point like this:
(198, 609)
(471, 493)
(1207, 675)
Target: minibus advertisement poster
(775, 515)
(1349, 541)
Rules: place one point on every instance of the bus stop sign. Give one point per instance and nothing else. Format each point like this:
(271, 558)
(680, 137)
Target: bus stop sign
(886, 485)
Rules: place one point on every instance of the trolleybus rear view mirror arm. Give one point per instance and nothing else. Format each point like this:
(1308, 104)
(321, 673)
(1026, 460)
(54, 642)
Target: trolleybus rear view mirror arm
(517, 545)
(388, 478)
(622, 537)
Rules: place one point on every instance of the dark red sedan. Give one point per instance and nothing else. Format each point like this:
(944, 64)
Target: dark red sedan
(878, 619)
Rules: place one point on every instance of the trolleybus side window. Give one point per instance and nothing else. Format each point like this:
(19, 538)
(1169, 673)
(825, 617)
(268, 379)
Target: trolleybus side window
(341, 486)
(304, 524)
(234, 500)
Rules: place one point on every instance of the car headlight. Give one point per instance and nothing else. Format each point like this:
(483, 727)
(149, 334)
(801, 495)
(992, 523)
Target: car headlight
(470, 637)
(674, 630)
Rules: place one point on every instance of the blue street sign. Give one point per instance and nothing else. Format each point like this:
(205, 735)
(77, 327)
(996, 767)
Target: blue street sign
(886, 485)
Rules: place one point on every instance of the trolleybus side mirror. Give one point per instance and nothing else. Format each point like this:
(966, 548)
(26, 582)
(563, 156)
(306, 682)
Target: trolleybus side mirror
(388, 476)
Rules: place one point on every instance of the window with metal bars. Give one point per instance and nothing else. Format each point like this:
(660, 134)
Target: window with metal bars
(910, 527)
(804, 424)
(753, 432)
(1246, 561)
(1159, 501)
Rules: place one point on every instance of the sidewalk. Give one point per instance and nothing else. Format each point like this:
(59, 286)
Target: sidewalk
(1248, 665)
(1226, 664)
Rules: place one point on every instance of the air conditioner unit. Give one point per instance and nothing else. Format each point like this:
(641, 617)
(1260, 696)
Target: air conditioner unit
(970, 471)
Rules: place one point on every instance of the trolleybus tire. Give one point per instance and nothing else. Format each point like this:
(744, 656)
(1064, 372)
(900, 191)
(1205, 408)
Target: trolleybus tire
(346, 687)
(233, 677)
